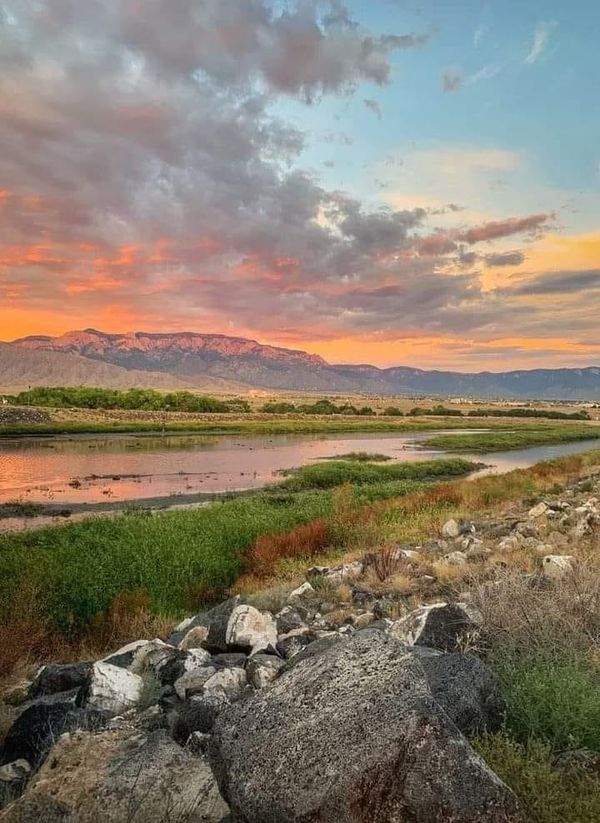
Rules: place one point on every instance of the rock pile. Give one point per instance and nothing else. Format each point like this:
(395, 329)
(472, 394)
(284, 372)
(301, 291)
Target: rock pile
(318, 711)
(280, 716)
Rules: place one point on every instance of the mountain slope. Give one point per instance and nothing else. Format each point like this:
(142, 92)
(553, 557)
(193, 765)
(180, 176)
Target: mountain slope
(204, 359)
(20, 368)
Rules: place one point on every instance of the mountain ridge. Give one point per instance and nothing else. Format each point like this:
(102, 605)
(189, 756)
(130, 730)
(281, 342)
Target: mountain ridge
(196, 358)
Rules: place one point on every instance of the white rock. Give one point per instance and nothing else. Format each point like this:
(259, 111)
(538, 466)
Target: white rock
(451, 529)
(509, 543)
(556, 566)
(112, 689)
(302, 591)
(196, 658)
(248, 628)
(229, 681)
(409, 554)
(181, 627)
(456, 559)
(539, 510)
(15, 772)
(192, 682)
(194, 638)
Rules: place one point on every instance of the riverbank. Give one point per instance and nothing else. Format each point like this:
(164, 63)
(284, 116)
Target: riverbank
(515, 560)
(524, 437)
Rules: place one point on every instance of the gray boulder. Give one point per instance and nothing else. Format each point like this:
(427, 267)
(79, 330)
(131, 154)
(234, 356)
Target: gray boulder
(120, 775)
(353, 734)
(465, 688)
(60, 677)
(197, 714)
(13, 778)
(443, 626)
(261, 669)
(231, 626)
(34, 731)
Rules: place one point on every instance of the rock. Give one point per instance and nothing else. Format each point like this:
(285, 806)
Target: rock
(194, 638)
(129, 657)
(451, 529)
(60, 677)
(289, 619)
(292, 644)
(556, 566)
(230, 682)
(169, 669)
(409, 554)
(261, 669)
(353, 734)
(214, 621)
(456, 559)
(111, 689)
(305, 590)
(34, 731)
(229, 660)
(361, 621)
(197, 714)
(13, 777)
(193, 681)
(250, 629)
(443, 626)
(115, 776)
(465, 688)
(539, 510)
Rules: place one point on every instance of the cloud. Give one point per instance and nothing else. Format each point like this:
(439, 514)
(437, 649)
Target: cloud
(567, 282)
(496, 229)
(507, 258)
(147, 180)
(374, 106)
(452, 80)
(540, 40)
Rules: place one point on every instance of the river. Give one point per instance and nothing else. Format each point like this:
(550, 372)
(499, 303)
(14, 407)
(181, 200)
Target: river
(99, 473)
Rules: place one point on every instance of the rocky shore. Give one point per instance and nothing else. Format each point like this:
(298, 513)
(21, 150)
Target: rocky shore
(342, 703)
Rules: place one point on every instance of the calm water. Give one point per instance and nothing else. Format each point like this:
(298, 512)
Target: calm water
(119, 469)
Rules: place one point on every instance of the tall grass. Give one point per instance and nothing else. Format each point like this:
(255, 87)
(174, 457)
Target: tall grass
(329, 474)
(523, 438)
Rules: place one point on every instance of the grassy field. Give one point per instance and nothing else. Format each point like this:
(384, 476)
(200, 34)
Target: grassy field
(180, 559)
(522, 438)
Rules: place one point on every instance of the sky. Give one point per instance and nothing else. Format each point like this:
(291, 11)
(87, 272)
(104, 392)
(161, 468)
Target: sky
(398, 182)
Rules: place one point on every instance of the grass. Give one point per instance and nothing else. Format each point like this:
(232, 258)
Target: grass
(523, 438)
(549, 794)
(361, 457)
(219, 426)
(329, 474)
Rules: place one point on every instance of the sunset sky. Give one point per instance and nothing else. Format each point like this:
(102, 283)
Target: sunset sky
(396, 182)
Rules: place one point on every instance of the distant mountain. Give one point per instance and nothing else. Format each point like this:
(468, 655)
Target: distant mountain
(21, 368)
(202, 360)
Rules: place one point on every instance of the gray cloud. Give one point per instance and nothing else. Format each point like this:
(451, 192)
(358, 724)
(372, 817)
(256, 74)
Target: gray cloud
(565, 282)
(145, 170)
(374, 106)
(451, 80)
(507, 258)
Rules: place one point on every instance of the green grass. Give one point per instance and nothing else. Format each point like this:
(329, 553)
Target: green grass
(361, 457)
(552, 698)
(523, 438)
(234, 425)
(548, 794)
(75, 571)
(328, 474)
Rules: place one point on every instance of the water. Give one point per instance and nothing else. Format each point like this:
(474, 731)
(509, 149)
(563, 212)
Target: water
(101, 473)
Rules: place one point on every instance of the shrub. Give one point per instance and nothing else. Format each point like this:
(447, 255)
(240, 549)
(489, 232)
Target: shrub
(306, 540)
(549, 794)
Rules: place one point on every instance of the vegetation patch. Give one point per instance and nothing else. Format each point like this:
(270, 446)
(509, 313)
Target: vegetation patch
(360, 457)
(506, 440)
(328, 474)
(550, 793)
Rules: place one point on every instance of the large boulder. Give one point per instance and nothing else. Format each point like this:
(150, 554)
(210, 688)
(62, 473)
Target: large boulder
(231, 626)
(353, 734)
(444, 626)
(34, 731)
(112, 690)
(465, 688)
(119, 775)
(60, 677)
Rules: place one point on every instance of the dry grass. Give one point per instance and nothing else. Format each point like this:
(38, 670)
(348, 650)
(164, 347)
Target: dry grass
(304, 541)
(528, 617)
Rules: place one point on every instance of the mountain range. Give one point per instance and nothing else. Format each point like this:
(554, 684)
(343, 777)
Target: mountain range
(213, 362)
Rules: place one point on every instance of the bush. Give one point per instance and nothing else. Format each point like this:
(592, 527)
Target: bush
(133, 399)
(549, 794)
(555, 699)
